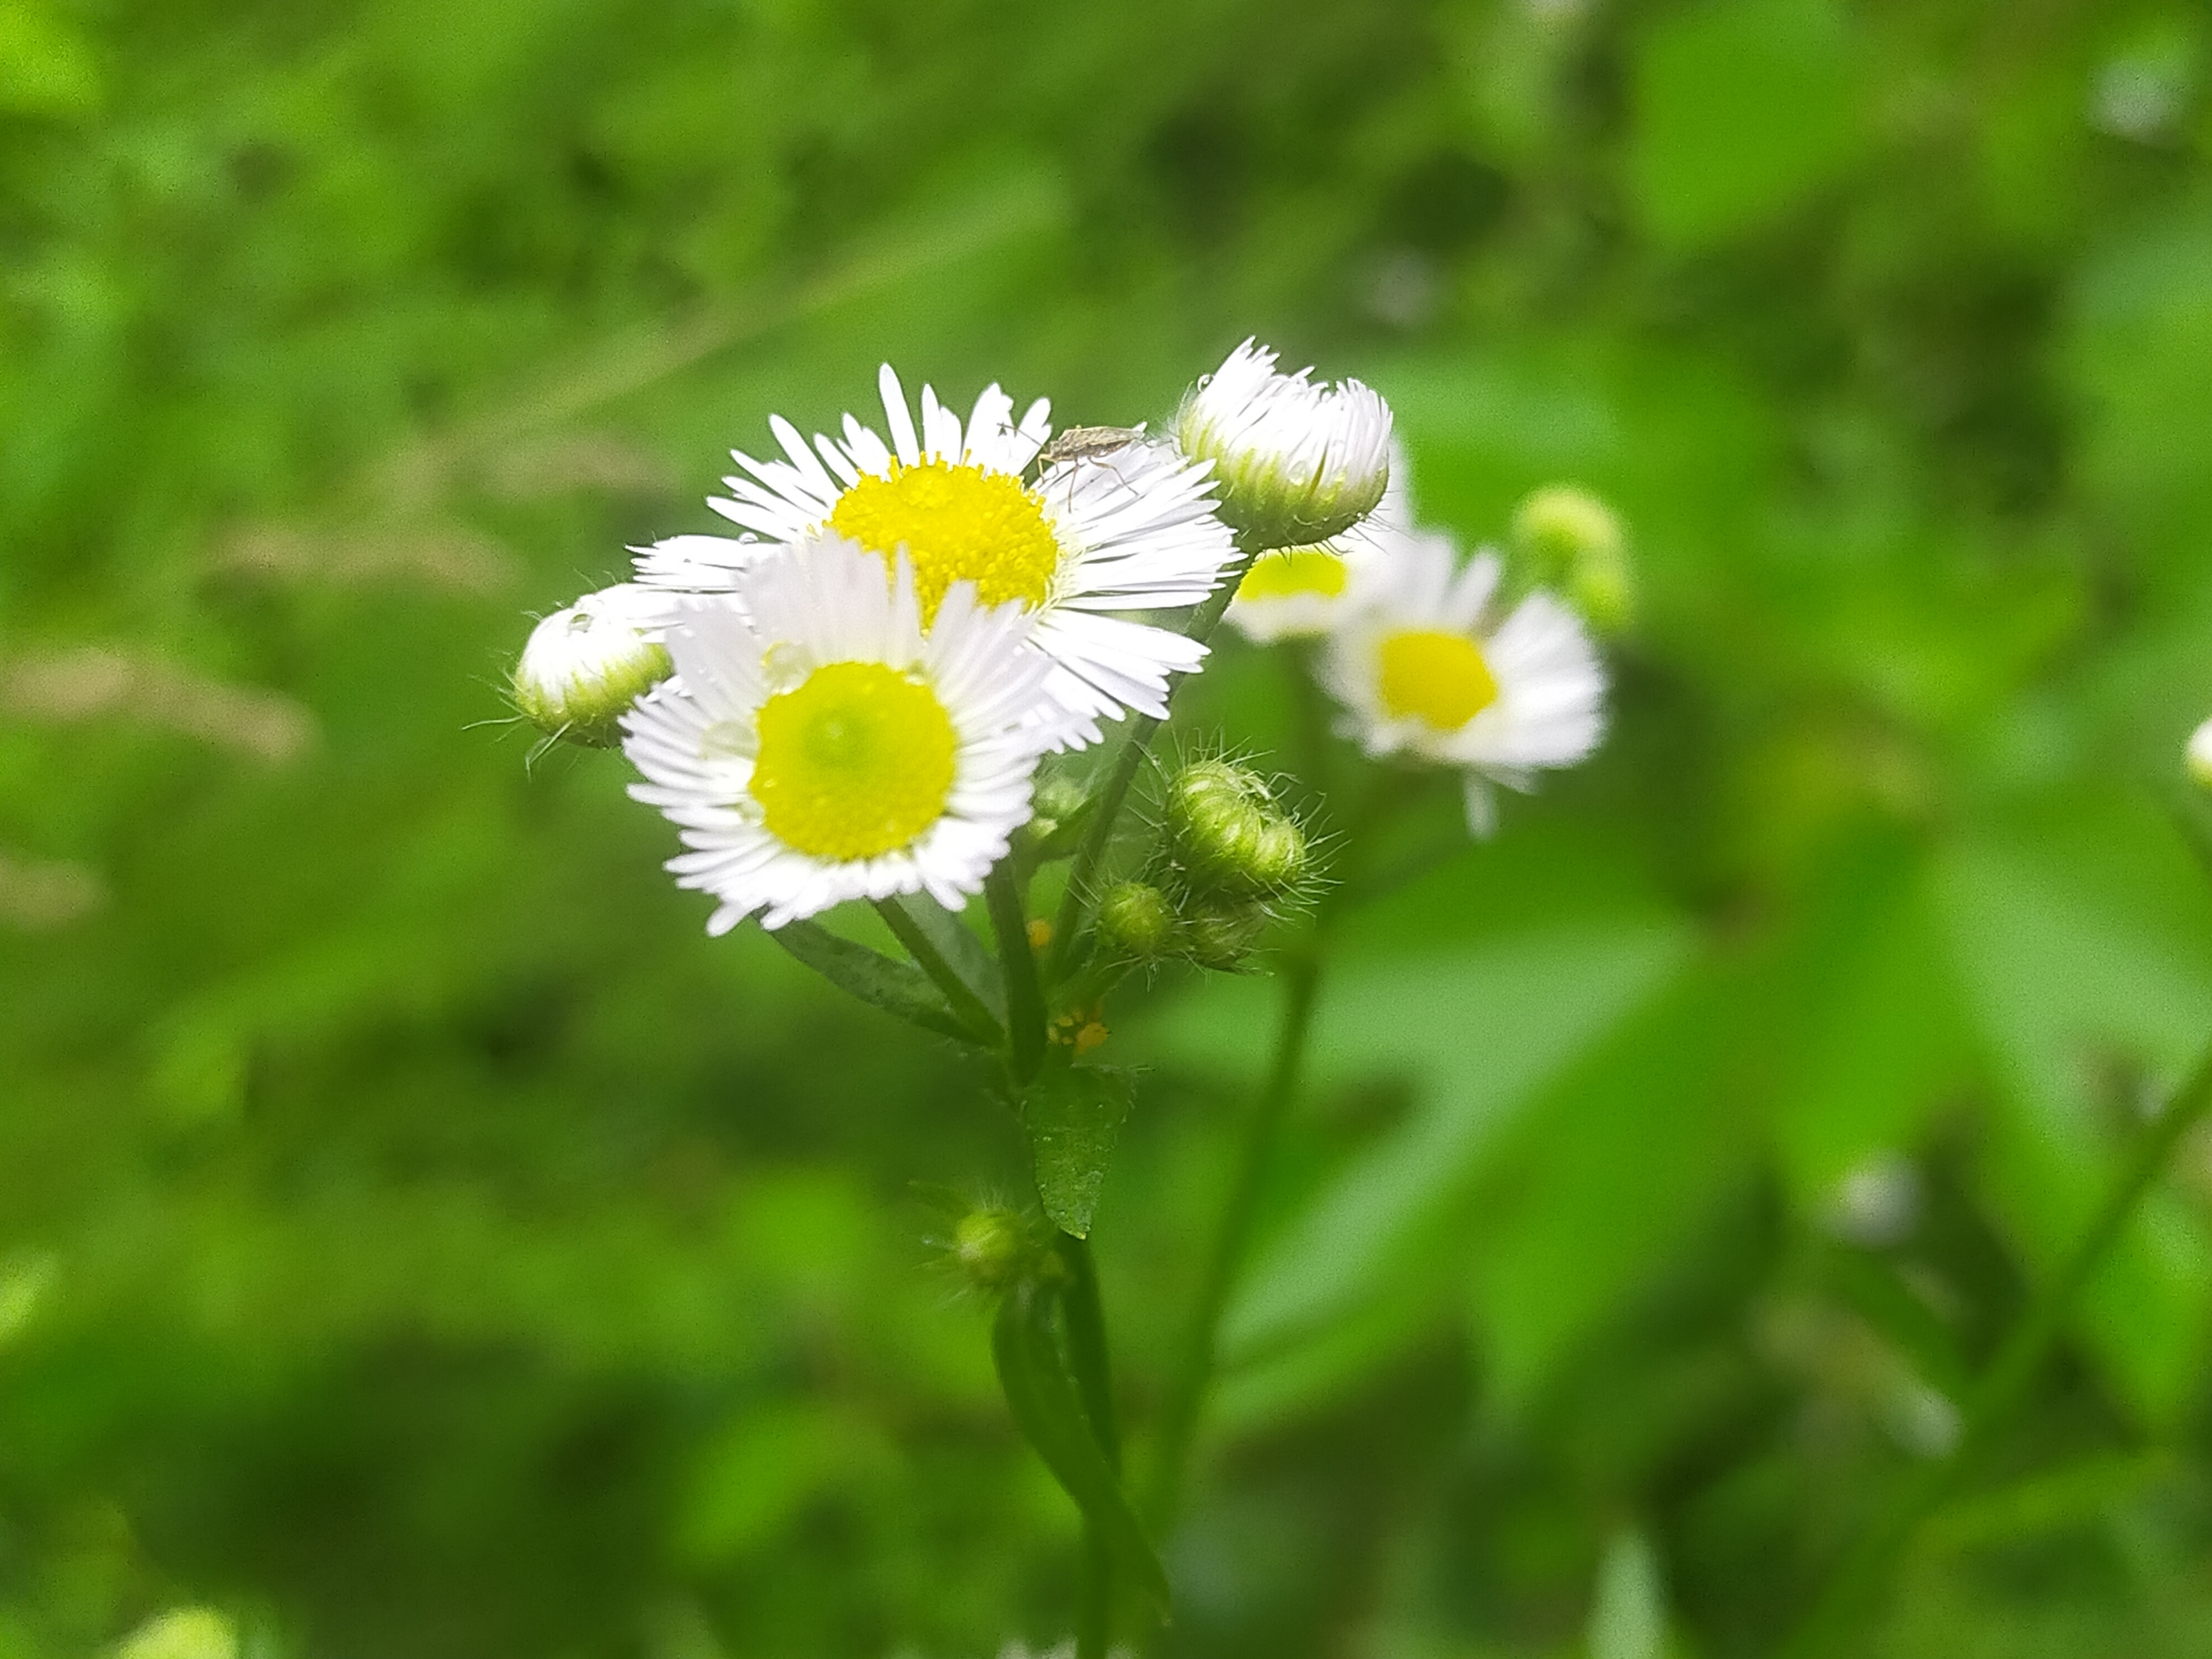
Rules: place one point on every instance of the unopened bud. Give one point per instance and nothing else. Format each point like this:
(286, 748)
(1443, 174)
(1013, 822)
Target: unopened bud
(992, 1246)
(1222, 935)
(1135, 919)
(1297, 463)
(585, 668)
(2197, 757)
(1570, 540)
(1228, 832)
(1056, 812)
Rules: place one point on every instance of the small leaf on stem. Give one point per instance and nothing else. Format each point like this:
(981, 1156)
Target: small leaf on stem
(1074, 1113)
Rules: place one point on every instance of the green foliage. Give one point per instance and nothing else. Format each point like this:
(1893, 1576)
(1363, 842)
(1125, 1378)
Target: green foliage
(416, 1237)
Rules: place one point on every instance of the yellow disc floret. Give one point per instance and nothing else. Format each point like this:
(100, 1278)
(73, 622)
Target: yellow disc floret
(1437, 678)
(956, 524)
(1293, 571)
(855, 761)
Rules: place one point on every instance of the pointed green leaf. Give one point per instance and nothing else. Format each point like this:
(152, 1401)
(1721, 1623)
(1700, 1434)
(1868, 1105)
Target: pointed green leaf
(960, 948)
(896, 988)
(1074, 1114)
(1050, 1416)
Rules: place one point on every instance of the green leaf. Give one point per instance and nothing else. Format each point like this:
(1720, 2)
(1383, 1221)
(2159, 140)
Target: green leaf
(2082, 947)
(1074, 1113)
(1051, 1418)
(961, 948)
(1483, 1031)
(897, 988)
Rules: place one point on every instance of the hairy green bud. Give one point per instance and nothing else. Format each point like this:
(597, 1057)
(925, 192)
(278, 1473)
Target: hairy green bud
(1135, 919)
(1226, 831)
(992, 1246)
(1569, 539)
(1221, 936)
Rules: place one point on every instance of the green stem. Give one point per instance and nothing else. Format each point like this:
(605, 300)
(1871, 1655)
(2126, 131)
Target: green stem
(1087, 1352)
(1089, 1359)
(2005, 1384)
(1010, 920)
(1179, 1418)
(1091, 851)
(966, 1005)
(1093, 1597)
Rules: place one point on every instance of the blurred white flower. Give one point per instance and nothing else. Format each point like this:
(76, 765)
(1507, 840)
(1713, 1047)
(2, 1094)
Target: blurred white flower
(182, 1633)
(1129, 529)
(1429, 669)
(1299, 464)
(2198, 756)
(820, 744)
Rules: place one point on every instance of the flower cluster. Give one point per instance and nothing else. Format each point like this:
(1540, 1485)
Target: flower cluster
(1430, 657)
(850, 695)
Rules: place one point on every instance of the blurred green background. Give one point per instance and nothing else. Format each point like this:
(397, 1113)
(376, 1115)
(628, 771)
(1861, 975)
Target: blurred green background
(417, 1238)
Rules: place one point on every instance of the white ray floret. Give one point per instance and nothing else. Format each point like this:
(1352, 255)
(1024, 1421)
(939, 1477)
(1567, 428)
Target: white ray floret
(1299, 464)
(1434, 668)
(820, 743)
(1130, 530)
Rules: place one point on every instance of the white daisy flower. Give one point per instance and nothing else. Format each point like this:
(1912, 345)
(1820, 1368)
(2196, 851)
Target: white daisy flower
(586, 663)
(1130, 530)
(820, 743)
(1299, 464)
(1430, 670)
(1304, 593)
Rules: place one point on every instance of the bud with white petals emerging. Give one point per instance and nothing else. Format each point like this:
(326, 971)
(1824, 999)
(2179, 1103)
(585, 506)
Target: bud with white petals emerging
(585, 668)
(1297, 463)
(1569, 540)
(2197, 757)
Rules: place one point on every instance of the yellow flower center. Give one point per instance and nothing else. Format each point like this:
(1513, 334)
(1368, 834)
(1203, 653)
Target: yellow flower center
(1437, 678)
(1293, 571)
(956, 524)
(855, 761)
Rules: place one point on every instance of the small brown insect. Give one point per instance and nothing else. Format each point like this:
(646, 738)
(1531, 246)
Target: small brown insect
(1084, 443)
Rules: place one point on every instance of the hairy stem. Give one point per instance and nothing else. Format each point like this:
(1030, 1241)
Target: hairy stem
(2002, 1387)
(966, 1005)
(1185, 1401)
(1010, 921)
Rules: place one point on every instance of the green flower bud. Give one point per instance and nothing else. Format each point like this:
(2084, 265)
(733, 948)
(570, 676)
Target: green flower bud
(2197, 757)
(1057, 808)
(1135, 919)
(585, 668)
(1297, 463)
(1222, 935)
(992, 1246)
(1570, 540)
(1227, 832)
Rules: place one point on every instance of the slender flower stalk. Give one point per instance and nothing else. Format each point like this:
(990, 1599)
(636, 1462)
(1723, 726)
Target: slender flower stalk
(1193, 1377)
